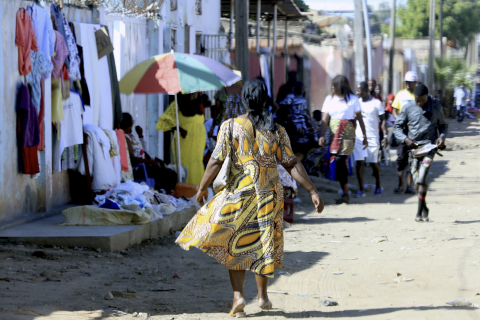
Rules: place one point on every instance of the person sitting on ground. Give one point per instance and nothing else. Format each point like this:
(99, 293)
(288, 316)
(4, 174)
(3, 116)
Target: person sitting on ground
(165, 178)
(426, 124)
(340, 110)
(373, 114)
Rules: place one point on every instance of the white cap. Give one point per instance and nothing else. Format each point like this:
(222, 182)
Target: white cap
(411, 76)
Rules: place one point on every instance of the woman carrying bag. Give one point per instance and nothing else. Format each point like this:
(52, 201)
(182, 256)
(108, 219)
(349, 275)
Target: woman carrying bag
(341, 110)
(242, 226)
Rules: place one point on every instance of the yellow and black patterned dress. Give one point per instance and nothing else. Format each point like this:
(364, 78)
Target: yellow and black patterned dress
(242, 226)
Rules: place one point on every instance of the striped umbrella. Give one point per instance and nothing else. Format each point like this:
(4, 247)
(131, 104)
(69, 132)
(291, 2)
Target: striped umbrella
(173, 73)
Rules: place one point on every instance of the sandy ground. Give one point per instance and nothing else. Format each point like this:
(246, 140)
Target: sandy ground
(441, 259)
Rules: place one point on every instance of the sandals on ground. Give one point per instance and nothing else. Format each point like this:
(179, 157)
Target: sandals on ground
(343, 199)
(266, 306)
(236, 310)
(410, 191)
(398, 190)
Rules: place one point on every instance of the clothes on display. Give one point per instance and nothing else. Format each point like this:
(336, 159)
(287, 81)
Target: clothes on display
(27, 132)
(104, 44)
(41, 64)
(56, 13)
(74, 59)
(43, 28)
(25, 40)
(115, 89)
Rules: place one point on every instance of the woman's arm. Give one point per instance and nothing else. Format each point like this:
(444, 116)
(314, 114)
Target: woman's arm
(325, 120)
(135, 159)
(211, 172)
(298, 173)
(359, 118)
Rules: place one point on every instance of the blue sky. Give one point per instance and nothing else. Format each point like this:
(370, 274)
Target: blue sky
(318, 4)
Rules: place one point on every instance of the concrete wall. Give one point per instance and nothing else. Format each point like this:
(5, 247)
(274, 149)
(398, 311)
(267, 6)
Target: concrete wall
(186, 23)
(325, 64)
(20, 194)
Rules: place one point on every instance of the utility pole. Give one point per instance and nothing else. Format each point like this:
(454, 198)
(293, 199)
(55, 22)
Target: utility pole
(441, 28)
(241, 39)
(358, 44)
(431, 54)
(369, 39)
(392, 45)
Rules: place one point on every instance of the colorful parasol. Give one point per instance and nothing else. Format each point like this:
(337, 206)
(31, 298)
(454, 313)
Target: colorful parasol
(173, 73)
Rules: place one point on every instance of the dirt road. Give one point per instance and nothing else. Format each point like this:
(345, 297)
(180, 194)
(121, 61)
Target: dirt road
(350, 254)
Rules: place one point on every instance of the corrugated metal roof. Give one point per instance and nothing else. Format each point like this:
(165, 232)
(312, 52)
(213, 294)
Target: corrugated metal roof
(286, 8)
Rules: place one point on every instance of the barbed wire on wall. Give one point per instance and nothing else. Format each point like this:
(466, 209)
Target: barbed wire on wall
(130, 8)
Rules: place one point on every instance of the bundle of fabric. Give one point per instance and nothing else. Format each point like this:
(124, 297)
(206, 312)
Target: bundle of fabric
(99, 162)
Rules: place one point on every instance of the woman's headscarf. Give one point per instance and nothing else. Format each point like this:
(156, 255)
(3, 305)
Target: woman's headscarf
(389, 107)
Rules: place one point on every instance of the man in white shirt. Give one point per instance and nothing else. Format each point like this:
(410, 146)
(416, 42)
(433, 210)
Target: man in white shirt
(460, 96)
(373, 114)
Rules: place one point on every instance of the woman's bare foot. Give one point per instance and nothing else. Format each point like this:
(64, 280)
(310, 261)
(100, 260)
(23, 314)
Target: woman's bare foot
(238, 308)
(265, 304)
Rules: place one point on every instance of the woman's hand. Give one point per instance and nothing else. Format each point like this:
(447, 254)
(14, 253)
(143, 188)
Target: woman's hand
(321, 142)
(317, 202)
(201, 196)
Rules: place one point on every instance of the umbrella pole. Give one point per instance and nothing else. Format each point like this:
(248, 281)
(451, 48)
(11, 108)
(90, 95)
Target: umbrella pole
(179, 157)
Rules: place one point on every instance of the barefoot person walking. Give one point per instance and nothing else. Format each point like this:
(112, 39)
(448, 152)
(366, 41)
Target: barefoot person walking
(242, 226)
(425, 124)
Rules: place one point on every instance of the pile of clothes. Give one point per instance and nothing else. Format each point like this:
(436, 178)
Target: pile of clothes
(130, 195)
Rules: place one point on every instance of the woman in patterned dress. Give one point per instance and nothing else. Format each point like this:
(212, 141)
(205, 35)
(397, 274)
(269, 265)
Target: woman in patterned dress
(242, 226)
(341, 110)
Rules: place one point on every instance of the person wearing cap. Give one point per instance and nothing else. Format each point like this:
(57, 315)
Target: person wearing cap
(402, 98)
(425, 124)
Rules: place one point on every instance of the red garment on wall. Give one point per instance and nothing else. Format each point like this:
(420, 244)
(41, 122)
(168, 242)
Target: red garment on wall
(25, 40)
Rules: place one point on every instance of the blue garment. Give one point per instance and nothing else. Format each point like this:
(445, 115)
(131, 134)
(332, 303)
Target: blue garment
(40, 65)
(44, 33)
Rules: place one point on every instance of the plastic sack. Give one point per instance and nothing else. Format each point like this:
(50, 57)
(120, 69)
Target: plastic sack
(93, 216)
(462, 302)
(166, 208)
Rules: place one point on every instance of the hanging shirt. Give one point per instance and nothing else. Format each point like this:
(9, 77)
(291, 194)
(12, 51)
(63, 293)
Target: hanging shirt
(42, 25)
(28, 132)
(74, 59)
(40, 65)
(25, 40)
(71, 128)
(28, 119)
(61, 53)
(56, 13)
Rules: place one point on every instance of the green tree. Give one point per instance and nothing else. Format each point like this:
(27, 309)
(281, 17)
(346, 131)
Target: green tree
(460, 19)
(302, 5)
(379, 18)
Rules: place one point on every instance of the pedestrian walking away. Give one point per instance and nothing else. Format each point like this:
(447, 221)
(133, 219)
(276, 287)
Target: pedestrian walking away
(373, 114)
(341, 110)
(460, 96)
(402, 98)
(426, 124)
(242, 226)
